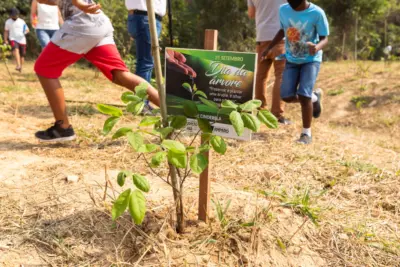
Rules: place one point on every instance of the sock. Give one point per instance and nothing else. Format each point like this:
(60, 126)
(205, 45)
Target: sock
(306, 131)
(314, 98)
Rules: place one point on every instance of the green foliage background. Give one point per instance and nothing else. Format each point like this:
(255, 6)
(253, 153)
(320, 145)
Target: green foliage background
(237, 31)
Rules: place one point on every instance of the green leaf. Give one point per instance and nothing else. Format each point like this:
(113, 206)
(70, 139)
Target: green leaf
(209, 103)
(174, 146)
(266, 117)
(164, 132)
(204, 125)
(229, 104)
(195, 87)
(120, 204)
(141, 90)
(135, 139)
(204, 148)
(198, 163)
(157, 159)
(109, 124)
(250, 105)
(201, 93)
(190, 149)
(205, 137)
(237, 122)
(130, 97)
(178, 159)
(251, 122)
(190, 109)
(187, 86)
(147, 121)
(141, 182)
(121, 132)
(135, 108)
(109, 110)
(122, 176)
(178, 122)
(137, 206)
(218, 144)
(148, 148)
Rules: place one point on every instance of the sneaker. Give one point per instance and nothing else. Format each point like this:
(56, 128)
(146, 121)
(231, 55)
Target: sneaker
(305, 139)
(56, 134)
(317, 106)
(284, 121)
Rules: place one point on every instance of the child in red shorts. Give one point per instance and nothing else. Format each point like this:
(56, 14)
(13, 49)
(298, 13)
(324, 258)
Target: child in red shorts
(86, 33)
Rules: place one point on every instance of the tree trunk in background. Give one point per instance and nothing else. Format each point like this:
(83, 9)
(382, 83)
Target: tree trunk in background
(344, 44)
(356, 38)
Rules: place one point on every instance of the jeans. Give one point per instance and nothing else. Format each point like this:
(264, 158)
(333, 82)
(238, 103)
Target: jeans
(299, 79)
(263, 70)
(44, 36)
(138, 28)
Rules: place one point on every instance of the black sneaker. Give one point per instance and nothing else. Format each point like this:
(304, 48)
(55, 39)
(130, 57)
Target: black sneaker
(56, 134)
(305, 139)
(317, 106)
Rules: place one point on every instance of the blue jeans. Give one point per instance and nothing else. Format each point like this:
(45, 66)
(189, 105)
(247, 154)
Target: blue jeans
(299, 79)
(138, 28)
(44, 36)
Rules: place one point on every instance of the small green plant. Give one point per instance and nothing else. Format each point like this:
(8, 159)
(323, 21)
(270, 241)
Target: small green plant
(166, 151)
(361, 101)
(5, 51)
(336, 92)
(300, 203)
(221, 212)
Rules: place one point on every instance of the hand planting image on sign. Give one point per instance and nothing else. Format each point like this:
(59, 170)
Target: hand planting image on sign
(209, 76)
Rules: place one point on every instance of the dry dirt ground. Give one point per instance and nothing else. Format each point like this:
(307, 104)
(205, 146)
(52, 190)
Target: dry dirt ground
(347, 181)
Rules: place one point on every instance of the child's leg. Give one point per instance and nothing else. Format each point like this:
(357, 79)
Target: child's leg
(55, 95)
(130, 81)
(49, 67)
(308, 76)
(290, 82)
(17, 56)
(108, 60)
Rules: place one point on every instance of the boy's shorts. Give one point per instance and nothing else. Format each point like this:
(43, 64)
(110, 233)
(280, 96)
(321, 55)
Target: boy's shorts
(21, 47)
(299, 79)
(57, 55)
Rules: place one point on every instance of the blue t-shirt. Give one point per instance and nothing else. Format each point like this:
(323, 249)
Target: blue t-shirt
(301, 27)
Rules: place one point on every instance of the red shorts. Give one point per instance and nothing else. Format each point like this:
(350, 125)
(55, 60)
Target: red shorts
(54, 60)
(17, 46)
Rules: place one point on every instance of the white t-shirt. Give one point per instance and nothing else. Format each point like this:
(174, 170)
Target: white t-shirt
(267, 18)
(47, 17)
(160, 6)
(16, 29)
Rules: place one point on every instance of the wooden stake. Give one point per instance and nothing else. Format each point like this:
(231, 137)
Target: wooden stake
(210, 43)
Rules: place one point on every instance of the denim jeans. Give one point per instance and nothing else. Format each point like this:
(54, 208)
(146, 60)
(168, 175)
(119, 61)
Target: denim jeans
(299, 79)
(44, 36)
(138, 28)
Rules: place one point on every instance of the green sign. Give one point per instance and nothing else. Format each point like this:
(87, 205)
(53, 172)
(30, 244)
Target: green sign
(215, 75)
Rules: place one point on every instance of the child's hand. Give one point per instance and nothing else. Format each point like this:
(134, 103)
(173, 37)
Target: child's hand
(312, 48)
(87, 8)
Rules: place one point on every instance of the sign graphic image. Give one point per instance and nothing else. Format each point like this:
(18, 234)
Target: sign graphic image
(202, 75)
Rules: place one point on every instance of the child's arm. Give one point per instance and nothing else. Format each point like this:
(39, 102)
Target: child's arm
(33, 13)
(314, 48)
(87, 8)
(60, 18)
(6, 33)
(277, 39)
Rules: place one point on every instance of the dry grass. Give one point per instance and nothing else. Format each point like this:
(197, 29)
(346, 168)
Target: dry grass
(351, 173)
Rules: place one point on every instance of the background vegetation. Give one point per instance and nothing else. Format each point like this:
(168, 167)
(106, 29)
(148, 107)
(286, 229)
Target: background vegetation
(378, 25)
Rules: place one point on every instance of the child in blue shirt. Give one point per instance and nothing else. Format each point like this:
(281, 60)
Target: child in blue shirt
(305, 27)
